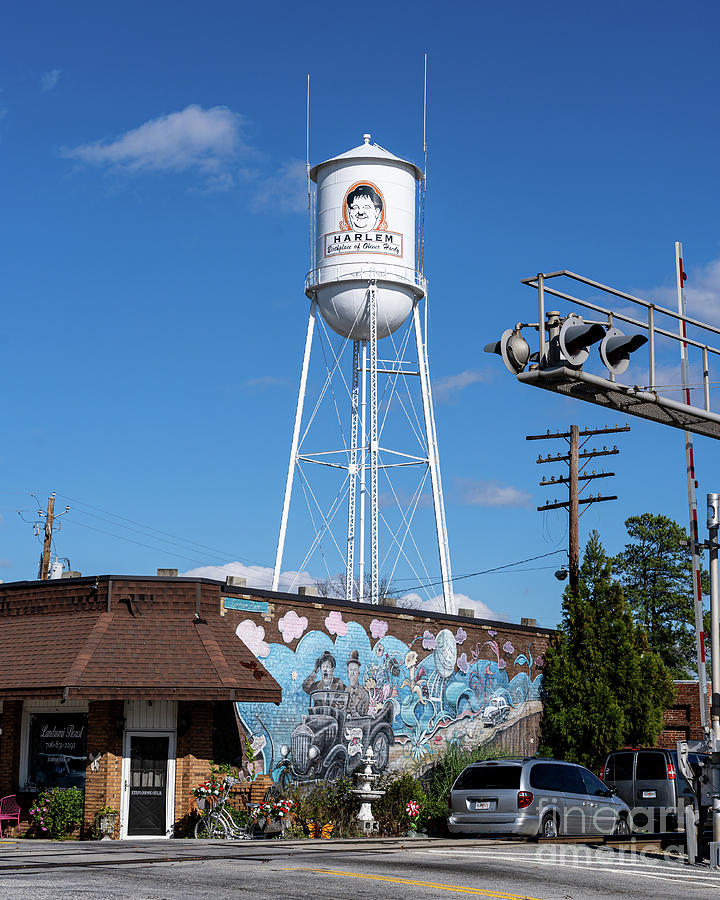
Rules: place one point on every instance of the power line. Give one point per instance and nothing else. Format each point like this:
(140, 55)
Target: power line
(120, 537)
(189, 544)
(474, 574)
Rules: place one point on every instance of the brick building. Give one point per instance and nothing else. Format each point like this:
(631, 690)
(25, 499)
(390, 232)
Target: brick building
(123, 687)
(128, 686)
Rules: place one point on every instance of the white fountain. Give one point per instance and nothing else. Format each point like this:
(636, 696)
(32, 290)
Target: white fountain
(366, 793)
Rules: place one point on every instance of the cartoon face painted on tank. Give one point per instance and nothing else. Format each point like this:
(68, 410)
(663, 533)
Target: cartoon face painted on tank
(364, 208)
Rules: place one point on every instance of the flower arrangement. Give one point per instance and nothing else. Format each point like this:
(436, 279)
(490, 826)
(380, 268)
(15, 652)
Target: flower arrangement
(104, 822)
(413, 811)
(207, 789)
(278, 809)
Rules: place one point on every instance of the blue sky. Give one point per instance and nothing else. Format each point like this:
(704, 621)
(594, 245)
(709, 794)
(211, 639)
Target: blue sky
(154, 242)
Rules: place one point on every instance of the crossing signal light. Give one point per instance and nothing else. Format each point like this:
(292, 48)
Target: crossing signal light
(616, 348)
(576, 337)
(514, 350)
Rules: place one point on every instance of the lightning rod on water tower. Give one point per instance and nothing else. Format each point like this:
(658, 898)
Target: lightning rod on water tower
(364, 283)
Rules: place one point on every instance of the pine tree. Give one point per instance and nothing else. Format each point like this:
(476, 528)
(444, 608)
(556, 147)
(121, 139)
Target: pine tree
(602, 686)
(656, 574)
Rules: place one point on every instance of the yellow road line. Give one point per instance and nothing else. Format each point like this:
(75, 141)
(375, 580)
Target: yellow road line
(432, 884)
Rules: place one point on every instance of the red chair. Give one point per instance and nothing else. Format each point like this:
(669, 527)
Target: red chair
(9, 811)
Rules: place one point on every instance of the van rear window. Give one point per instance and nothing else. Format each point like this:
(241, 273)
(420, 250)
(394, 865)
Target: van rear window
(619, 767)
(651, 766)
(489, 778)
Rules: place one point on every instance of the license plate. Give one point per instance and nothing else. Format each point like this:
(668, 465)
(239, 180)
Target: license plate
(649, 795)
(485, 804)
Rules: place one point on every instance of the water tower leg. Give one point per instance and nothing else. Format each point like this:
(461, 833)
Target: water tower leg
(434, 464)
(294, 446)
(352, 476)
(363, 465)
(374, 554)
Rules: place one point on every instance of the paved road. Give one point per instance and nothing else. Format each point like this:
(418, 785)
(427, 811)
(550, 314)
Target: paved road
(166, 870)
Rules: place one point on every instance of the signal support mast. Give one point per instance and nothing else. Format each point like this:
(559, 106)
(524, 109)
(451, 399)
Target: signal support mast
(364, 283)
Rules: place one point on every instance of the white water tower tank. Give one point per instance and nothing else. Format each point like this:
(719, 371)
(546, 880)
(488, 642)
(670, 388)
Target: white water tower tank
(365, 231)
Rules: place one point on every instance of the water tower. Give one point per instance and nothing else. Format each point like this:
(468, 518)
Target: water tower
(365, 283)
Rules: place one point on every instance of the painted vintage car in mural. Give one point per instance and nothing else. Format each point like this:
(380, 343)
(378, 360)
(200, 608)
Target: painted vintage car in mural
(495, 712)
(329, 743)
(349, 685)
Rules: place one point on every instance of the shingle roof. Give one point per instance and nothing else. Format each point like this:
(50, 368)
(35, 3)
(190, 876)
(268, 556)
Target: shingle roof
(162, 650)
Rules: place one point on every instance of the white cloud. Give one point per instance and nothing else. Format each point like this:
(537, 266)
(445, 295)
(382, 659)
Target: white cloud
(207, 140)
(702, 294)
(284, 191)
(49, 80)
(257, 576)
(446, 389)
(491, 493)
(437, 604)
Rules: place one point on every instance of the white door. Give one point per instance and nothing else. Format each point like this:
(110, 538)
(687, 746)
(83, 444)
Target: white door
(148, 785)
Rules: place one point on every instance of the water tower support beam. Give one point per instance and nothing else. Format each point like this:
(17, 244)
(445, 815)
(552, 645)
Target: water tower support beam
(294, 446)
(433, 463)
(374, 553)
(363, 469)
(352, 476)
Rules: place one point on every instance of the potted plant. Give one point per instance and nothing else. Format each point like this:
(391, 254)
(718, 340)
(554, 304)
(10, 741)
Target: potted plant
(104, 822)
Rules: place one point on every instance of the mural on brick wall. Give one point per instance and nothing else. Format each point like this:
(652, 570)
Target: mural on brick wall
(345, 689)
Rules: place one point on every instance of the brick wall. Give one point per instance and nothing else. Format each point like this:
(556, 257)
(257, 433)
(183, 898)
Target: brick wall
(395, 650)
(10, 757)
(194, 752)
(103, 786)
(682, 720)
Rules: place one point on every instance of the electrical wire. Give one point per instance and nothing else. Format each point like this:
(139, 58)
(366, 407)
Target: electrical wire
(474, 574)
(189, 544)
(132, 541)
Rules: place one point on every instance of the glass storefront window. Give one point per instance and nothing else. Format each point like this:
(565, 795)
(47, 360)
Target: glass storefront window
(56, 752)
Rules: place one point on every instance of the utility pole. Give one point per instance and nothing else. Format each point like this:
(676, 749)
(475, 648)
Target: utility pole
(47, 543)
(50, 520)
(575, 476)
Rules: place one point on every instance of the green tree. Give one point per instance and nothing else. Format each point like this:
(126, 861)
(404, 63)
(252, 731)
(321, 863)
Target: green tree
(656, 575)
(602, 687)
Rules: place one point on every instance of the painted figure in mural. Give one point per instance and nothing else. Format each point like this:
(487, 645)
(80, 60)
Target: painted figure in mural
(359, 701)
(364, 208)
(325, 665)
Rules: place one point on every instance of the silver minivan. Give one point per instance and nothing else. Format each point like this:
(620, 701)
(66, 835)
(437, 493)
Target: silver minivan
(531, 796)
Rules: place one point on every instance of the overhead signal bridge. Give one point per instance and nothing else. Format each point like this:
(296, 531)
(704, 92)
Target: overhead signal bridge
(563, 349)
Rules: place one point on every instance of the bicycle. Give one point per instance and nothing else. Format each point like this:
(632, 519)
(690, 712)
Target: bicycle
(218, 823)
